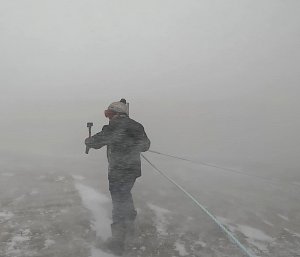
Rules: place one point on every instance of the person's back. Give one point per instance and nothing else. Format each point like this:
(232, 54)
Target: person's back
(123, 152)
(125, 140)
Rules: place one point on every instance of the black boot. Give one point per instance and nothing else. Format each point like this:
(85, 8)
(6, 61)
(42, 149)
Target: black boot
(116, 243)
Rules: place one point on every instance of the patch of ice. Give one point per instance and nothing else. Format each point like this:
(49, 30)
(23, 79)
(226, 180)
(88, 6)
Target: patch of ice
(293, 233)
(223, 220)
(94, 202)
(256, 237)
(296, 234)
(60, 178)
(48, 243)
(189, 218)
(64, 210)
(20, 198)
(160, 220)
(5, 216)
(254, 233)
(98, 253)
(78, 177)
(181, 249)
(227, 222)
(201, 243)
(16, 246)
(268, 223)
(283, 217)
(34, 192)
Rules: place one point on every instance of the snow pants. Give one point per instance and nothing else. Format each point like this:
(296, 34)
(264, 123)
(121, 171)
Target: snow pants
(123, 207)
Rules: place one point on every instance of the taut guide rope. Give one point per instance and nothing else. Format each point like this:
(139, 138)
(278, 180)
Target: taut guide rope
(221, 226)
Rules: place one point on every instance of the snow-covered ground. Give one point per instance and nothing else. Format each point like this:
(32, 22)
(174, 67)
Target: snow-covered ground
(65, 212)
(212, 81)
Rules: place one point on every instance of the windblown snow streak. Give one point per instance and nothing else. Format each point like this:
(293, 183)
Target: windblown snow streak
(94, 202)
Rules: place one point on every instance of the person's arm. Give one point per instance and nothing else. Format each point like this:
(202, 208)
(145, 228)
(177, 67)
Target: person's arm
(100, 139)
(143, 141)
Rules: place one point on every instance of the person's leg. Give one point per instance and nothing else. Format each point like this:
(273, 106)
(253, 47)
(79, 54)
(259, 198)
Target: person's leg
(118, 232)
(123, 206)
(128, 208)
(122, 211)
(116, 243)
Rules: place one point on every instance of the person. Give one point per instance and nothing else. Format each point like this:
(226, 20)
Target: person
(125, 140)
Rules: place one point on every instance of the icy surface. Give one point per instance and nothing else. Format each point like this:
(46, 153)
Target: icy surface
(212, 81)
(160, 218)
(96, 252)
(94, 201)
(5, 216)
(181, 249)
(57, 214)
(283, 217)
(256, 237)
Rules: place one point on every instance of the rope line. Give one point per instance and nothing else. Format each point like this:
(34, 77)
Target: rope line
(221, 168)
(221, 226)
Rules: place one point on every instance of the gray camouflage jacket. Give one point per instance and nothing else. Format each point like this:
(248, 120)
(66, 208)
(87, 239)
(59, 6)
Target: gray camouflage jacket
(125, 140)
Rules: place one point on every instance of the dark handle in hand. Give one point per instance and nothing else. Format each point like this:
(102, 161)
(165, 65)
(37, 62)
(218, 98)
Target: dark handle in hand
(90, 135)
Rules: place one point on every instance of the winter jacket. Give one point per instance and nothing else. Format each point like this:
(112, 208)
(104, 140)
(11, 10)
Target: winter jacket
(125, 140)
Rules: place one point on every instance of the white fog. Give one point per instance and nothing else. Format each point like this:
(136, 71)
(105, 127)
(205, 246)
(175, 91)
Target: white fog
(211, 81)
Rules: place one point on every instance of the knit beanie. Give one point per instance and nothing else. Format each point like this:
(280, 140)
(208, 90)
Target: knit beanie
(119, 107)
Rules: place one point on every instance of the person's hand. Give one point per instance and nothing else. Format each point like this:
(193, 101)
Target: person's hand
(88, 141)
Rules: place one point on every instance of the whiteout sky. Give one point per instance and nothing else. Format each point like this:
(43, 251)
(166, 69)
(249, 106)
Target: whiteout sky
(213, 80)
(210, 80)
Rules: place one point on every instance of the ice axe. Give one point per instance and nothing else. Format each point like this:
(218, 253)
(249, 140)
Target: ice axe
(89, 125)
